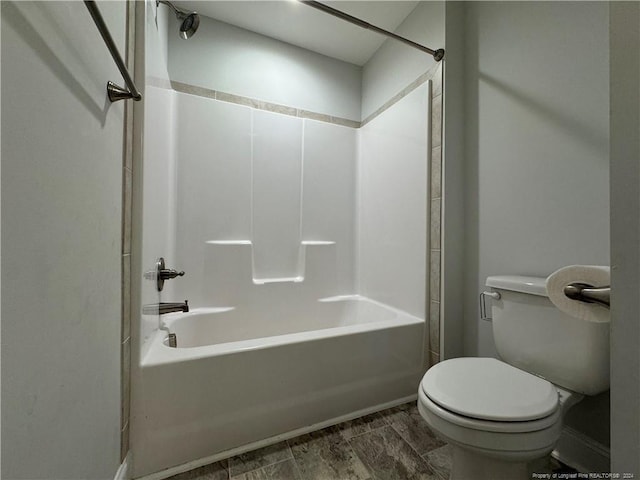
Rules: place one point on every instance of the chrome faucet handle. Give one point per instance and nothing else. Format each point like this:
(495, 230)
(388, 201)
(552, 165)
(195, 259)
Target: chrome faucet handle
(166, 273)
(160, 274)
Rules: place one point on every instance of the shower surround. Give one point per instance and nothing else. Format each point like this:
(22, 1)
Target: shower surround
(304, 244)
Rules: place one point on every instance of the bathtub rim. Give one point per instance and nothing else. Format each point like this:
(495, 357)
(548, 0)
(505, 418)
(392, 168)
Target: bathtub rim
(161, 354)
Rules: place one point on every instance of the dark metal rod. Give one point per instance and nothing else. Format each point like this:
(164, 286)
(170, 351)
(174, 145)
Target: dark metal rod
(588, 293)
(111, 45)
(437, 54)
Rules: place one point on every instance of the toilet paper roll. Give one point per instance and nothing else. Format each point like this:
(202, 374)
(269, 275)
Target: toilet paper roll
(598, 276)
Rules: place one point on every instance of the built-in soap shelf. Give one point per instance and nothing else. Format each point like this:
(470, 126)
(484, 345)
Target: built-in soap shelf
(247, 245)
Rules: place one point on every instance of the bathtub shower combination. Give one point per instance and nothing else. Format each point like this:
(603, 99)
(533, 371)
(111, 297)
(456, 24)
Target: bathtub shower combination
(304, 247)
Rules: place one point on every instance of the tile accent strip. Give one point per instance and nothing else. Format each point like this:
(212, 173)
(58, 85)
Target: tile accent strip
(435, 223)
(187, 88)
(259, 104)
(428, 75)
(125, 272)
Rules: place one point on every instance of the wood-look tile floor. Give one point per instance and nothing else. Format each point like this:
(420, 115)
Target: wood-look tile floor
(395, 444)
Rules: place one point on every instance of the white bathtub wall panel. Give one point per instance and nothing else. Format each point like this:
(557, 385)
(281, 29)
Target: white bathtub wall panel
(158, 195)
(227, 274)
(214, 185)
(325, 273)
(277, 179)
(328, 206)
(198, 408)
(392, 204)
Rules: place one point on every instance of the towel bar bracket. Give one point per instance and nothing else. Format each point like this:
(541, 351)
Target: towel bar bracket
(114, 92)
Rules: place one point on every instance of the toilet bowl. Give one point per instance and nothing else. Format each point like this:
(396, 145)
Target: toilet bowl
(499, 415)
(496, 417)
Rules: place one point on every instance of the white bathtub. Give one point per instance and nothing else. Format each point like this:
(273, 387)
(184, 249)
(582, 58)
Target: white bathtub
(243, 378)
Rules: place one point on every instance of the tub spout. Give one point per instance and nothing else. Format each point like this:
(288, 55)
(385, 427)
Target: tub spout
(165, 307)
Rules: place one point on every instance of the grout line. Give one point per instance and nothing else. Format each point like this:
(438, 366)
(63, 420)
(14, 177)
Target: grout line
(409, 444)
(364, 463)
(259, 468)
(364, 433)
(263, 466)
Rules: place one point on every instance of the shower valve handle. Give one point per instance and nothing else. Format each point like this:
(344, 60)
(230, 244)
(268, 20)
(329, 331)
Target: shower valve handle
(160, 274)
(166, 274)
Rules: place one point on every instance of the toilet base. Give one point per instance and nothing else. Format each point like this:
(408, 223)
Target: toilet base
(469, 465)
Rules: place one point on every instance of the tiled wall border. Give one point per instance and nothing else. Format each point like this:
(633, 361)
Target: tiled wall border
(435, 215)
(127, 177)
(260, 105)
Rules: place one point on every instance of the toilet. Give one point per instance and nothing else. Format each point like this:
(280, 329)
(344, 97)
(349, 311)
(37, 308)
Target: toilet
(500, 415)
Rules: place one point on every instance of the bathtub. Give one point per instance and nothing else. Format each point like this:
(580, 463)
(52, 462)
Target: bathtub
(241, 378)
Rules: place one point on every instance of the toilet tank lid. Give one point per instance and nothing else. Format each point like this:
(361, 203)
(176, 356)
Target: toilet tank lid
(519, 283)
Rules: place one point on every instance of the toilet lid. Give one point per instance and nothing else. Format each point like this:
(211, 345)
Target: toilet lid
(488, 389)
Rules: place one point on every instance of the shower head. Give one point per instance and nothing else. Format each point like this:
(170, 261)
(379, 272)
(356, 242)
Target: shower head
(190, 21)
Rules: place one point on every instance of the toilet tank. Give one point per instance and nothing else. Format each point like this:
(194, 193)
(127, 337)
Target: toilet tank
(530, 333)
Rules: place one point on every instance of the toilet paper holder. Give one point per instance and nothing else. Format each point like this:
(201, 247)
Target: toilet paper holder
(584, 292)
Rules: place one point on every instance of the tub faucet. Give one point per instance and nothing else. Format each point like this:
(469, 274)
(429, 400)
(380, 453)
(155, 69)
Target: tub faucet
(165, 307)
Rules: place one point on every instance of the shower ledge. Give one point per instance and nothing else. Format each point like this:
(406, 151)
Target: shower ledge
(264, 281)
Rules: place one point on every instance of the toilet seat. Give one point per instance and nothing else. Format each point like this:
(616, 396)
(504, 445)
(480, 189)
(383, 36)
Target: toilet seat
(460, 399)
(456, 419)
(490, 391)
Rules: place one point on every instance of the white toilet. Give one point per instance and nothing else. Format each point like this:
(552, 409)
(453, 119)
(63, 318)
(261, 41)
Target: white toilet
(499, 415)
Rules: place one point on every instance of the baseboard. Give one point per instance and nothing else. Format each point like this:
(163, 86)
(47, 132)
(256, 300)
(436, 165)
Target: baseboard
(123, 470)
(582, 452)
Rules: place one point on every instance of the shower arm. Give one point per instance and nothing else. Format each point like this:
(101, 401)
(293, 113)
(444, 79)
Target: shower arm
(437, 54)
(179, 14)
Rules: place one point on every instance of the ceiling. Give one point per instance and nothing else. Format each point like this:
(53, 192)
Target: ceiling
(306, 27)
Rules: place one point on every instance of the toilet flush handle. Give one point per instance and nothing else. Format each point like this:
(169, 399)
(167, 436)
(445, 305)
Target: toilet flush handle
(483, 307)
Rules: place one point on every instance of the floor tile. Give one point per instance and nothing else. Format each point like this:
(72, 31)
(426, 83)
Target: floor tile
(389, 457)
(326, 455)
(406, 420)
(440, 460)
(361, 425)
(214, 471)
(259, 458)
(286, 470)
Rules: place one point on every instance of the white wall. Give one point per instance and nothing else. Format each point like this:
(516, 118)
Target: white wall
(233, 60)
(537, 194)
(157, 42)
(537, 153)
(395, 65)
(61, 242)
(625, 237)
(392, 214)
(453, 184)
